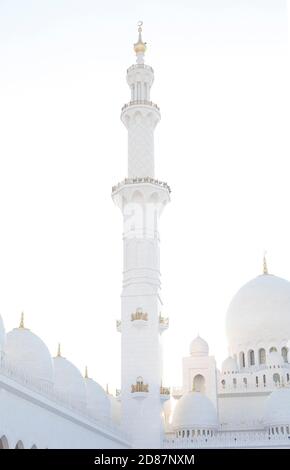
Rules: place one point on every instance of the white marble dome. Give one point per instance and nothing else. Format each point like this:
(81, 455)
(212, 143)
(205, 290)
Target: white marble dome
(2, 335)
(199, 347)
(98, 402)
(229, 365)
(29, 354)
(69, 382)
(194, 411)
(277, 407)
(260, 311)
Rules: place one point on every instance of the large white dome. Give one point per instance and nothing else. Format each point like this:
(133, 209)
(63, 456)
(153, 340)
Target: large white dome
(259, 312)
(2, 334)
(98, 402)
(277, 407)
(194, 411)
(69, 381)
(29, 354)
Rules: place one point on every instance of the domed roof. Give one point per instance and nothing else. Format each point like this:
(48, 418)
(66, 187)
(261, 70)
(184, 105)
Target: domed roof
(277, 407)
(98, 402)
(274, 359)
(29, 354)
(260, 311)
(199, 347)
(2, 334)
(194, 411)
(229, 365)
(69, 381)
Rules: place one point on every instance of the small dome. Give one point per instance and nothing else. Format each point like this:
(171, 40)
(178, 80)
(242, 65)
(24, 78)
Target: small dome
(229, 365)
(274, 359)
(29, 354)
(259, 312)
(98, 402)
(69, 381)
(2, 335)
(199, 347)
(277, 407)
(194, 411)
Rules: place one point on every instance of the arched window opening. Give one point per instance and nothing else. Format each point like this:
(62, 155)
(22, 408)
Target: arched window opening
(4, 443)
(282, 430)
(242, 359)
(277, 430)
(273, 349)
(245, 381)
(223, 383)
(262, 356)
(264, 380)
(251, 358)
(234, 383)
(284, 353)
(199, 383)
(287, 377)
(276, 379)
(287, 429)
(257, 381)
(34, 447)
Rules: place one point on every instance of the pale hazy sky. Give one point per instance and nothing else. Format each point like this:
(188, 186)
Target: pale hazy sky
(222, 83)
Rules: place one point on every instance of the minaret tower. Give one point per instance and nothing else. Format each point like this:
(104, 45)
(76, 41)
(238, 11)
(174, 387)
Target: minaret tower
(141, 199)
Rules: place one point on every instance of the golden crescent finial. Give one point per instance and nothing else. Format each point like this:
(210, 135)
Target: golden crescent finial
(140, 46)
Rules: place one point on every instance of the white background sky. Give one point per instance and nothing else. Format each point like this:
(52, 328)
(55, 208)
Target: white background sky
(222, 83)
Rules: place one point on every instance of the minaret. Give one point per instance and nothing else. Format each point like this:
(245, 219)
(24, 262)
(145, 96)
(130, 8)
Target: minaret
(141, 199)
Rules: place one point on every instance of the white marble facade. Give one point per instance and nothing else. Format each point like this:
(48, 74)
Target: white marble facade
(45, 402)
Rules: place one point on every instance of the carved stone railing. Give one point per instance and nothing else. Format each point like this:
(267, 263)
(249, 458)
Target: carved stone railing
(146, 179)
(140, 102)
(140, 66)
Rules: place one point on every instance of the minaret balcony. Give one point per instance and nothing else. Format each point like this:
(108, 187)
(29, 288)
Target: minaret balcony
(164, 393)
(119, 326)
(139, 390)
(139, 318)
(163, 323)
(146, 179)
(139, 103)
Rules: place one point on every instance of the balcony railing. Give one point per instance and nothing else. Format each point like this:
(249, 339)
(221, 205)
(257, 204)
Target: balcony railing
(146, 179)
(140, 102)
(163, 321)
(140, 66)
(140, 387)
(139, 315)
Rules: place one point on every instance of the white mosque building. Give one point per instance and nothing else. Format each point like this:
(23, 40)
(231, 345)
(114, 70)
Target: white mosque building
(45, 402)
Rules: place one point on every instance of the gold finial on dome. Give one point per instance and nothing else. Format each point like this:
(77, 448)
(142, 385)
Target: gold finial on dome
(140, 46)
(21, 324)
(86, 372)
(265, 267)
(107, 389)
(58, 351)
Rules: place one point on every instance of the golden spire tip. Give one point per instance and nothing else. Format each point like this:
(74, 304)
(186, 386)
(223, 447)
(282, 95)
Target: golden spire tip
(86, 372)
(58, 350)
